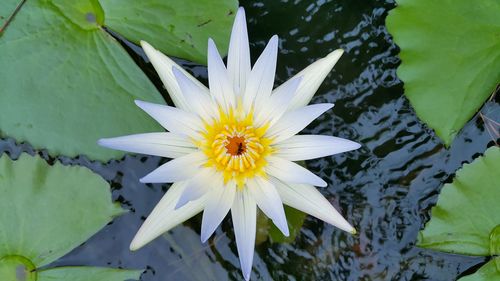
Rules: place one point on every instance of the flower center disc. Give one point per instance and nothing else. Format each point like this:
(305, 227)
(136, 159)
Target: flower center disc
(236, 145)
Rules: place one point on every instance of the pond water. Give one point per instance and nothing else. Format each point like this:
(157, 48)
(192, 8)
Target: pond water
(385, 189)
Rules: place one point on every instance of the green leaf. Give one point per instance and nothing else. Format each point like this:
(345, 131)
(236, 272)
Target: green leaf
(488, 272)
(295, 219)
(178, 28)
(88, 274)
(87, 14)
(450, 52)
(64, 85)
(46, 211)
(465, 219)
(17, 268)
(495, 241)
(263, 226)
(267, 230)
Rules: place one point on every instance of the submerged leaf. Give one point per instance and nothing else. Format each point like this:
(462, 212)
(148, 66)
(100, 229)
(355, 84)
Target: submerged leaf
(185, 244)
(450, 53)
(295, 219)
(266, 229)
(465, 219)
(46, 211)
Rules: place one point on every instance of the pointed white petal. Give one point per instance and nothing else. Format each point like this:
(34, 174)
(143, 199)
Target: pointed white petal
(218, 80)
(163, 66)
(244, 215)
(178, 169)
(291, 172)
(164, 217)
(199, 98)
(308, 199)
(219, 201)
(295, 121)
(238, 58)
(305, 147)
(267, 198)
(261, 79)
(173, 119)
(272, 110)
(168, 145)
(198, 186)
(313, 76)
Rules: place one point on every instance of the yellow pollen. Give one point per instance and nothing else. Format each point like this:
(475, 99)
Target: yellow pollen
(235, 147)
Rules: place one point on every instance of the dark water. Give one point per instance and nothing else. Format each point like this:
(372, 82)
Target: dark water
(385, 189)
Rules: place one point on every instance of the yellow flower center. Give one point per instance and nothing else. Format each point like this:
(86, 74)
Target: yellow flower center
(235, 147)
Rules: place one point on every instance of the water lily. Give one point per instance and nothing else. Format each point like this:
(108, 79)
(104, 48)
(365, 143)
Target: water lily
(234, 145)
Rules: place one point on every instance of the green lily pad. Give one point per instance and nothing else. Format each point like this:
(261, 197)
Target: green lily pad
(465, 219)
(64, 87)
(466, 213)
(178, 28)
(45, 212)
(450, 53)
(295, 219)
(65, 82)
(267, 230)
(17, 268)
(87, 14)
(488, 272)
(495, 242)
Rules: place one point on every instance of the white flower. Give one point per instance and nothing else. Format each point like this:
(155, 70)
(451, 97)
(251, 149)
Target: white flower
(234, 145)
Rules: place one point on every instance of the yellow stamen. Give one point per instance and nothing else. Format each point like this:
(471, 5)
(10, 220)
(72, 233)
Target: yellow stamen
(235, 147)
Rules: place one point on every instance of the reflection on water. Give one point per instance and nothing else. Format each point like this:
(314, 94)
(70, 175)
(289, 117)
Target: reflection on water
(385, 189)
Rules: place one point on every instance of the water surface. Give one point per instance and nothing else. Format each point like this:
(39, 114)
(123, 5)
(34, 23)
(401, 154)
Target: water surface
(385, 189)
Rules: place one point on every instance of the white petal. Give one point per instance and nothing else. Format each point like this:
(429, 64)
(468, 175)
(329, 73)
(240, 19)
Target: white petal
(308, 199)
(168, 145)
(178, 169)
(238, 58)
(199, 98)
(219, 201)
(163, 66)
(276, 106)
(269, 201)
(198, 186)
(164, 217)
(305, 147)
(244, 214)
(218, 79)
(313, 76)
(173, 119)
(291, 172)
(295, 121)
(261, 79)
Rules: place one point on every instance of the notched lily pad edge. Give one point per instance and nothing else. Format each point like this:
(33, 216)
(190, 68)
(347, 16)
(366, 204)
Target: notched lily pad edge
(22, 268)
(494, 237)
